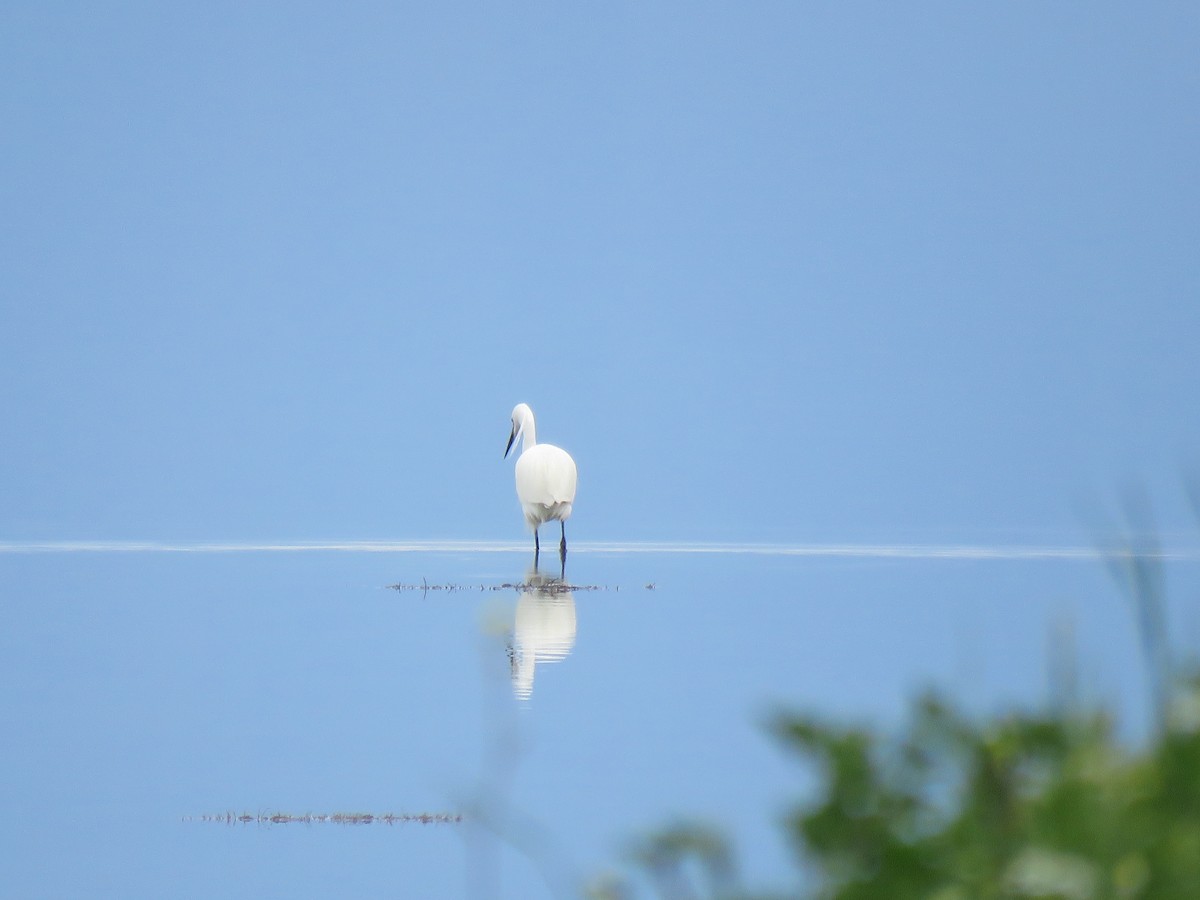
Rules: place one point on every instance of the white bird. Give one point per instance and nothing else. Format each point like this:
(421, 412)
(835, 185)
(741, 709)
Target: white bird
(546, 479)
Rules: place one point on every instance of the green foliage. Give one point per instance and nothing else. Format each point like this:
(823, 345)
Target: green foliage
(1032, 806)
(1046, 806)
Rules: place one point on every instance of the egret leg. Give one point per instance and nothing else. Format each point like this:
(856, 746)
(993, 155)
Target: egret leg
(562, 548)
(537, 548)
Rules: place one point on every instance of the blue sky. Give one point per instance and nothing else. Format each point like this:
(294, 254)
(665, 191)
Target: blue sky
(777, 272)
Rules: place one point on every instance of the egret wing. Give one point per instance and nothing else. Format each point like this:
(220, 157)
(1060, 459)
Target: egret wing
(546, 475)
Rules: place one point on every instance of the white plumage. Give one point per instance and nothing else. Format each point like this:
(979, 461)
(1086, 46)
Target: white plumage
(546, 478)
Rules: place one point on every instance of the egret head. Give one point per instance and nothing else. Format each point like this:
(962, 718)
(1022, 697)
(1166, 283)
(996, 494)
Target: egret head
(521, 414)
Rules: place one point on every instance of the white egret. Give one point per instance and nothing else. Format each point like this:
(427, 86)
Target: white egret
(546, 479)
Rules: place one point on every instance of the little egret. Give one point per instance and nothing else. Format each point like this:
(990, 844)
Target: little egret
(545, 479)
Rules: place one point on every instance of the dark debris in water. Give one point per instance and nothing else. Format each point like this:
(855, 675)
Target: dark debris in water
(551, 587)
(280, 818)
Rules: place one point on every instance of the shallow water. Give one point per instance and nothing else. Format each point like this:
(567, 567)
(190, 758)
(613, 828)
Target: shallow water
(147, 687)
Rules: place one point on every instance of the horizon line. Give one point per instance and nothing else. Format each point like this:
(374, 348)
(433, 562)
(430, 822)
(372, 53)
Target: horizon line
(965, 551)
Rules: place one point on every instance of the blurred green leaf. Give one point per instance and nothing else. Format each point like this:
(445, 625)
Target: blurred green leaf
(1020, 806)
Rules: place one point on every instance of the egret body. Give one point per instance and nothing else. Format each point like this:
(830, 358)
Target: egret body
(546, 479)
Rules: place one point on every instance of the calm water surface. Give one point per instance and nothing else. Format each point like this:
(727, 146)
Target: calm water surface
(143, 690)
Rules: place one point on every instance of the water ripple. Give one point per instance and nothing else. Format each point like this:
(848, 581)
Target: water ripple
(819, 551)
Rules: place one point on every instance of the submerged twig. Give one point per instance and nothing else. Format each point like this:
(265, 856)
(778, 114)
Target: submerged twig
(520, 587)
(281, 818)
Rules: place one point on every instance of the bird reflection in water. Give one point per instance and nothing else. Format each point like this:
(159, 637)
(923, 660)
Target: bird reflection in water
(543, 629)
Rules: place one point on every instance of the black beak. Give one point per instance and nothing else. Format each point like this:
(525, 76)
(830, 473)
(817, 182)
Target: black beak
(512, 437)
